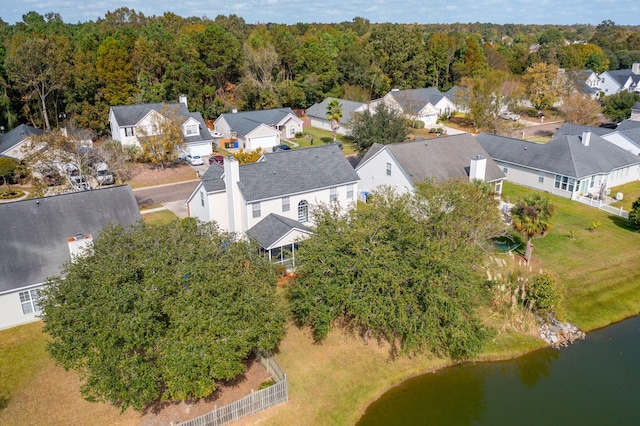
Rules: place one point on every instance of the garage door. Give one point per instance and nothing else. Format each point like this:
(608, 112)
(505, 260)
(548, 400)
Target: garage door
(264, 142)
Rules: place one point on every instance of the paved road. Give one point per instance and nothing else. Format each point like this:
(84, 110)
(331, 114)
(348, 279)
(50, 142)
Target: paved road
(163, 194)
(541, 129)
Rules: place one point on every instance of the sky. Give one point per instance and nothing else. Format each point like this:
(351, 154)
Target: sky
(562, 12)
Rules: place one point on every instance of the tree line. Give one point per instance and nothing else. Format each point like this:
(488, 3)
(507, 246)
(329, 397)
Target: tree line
(53, 73)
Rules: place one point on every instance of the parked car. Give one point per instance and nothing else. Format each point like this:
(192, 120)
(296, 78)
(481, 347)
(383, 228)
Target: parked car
(217, 159)
(194, 160)
(507, 115)
(103, 175)
(281, 147)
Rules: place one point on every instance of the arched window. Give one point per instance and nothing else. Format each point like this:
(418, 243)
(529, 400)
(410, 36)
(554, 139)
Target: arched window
(303, 211)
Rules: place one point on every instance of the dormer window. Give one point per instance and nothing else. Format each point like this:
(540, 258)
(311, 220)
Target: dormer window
(191, 130)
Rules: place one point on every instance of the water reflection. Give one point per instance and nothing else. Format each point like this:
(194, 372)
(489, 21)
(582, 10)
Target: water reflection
(594, 382)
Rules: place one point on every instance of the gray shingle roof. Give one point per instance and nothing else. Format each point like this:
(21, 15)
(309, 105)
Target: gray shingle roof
(442, 158)
(564, 155)
(272, 228)
(295, 171)
(628, 124)
(320, 110)
(17, 135)
(130, 115)
(212, 178)
(34, 232)
(244, 123)
(413, 100)
(578, 129)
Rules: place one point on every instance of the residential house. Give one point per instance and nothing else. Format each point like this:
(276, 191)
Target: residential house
(616, 81)
(130, 123)
(635, 112)
(404, 164)
(587, 82)
(627, 139)
(318, 114)
(251, 130)
(272, 199)
(425, 105)
(39, 235)
(568, 165)
(13, 142)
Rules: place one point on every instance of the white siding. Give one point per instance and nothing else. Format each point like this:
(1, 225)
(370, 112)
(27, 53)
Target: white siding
(11, 310)
(374, 173)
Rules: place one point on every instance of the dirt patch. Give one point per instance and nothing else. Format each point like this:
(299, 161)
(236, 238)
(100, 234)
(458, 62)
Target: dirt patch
(166, 413)
(144, 174)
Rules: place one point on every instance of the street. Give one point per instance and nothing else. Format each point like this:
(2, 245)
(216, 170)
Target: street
(161, 194)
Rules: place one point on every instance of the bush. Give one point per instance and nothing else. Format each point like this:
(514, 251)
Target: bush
(9, 195)
(300, 135)
(544, 294)
(417, 124)
(634, 214)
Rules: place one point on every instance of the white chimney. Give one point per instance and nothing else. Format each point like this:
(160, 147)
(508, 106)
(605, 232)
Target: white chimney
(586, 138)
(478, 168)
(183, 100)
(234, 110)
(78, 244)
(234, 198)
(635, 68)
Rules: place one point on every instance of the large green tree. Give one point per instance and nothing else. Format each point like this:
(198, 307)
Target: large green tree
(531, 216)
(618, 107)
(402, 268)
(163, 312)
(384, 125)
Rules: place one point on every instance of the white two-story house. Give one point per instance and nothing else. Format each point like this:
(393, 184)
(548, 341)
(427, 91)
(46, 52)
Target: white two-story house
(425, 104)
(272, 200)
(131, 122)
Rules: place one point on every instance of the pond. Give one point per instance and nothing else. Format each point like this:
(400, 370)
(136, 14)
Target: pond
(593, 382)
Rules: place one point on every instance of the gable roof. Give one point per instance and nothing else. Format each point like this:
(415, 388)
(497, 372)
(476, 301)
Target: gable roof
(130, 115)
(578, 129)
(17, 135)
(628, 124)
(244, 123)
(413, 100)
(442, 158)
(564, 155)
(35, 231)
(272, 228)
(348, 108)
(295, 171)
(282, 173)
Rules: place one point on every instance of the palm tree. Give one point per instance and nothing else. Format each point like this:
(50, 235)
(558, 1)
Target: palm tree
(532, 217)
(334, 114)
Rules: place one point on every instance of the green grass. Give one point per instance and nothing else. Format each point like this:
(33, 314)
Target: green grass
(598, 268)
(325, 137)
(159, 218)
(22, 355)
(630, 191)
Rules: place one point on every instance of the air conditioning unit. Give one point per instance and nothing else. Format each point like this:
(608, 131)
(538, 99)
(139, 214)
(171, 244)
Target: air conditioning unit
(619, 196)
(607, 191)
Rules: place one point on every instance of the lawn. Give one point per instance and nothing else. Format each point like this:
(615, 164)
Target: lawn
(145, 174)
(332, 383)
(630, 192)
(160, 217)
(598, 267)
(324, 137)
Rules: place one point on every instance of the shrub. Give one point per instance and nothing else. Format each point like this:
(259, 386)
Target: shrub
(417, 124)
(300, 135)
(544, 294)
(634, 214)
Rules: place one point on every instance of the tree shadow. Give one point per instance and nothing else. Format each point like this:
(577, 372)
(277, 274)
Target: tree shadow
(621, 222)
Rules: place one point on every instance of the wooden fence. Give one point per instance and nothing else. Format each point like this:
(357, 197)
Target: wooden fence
(250, 404)
(618, 211)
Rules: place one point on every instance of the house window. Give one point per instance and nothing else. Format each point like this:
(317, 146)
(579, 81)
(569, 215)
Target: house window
(350, 191)
(256, 209)
(202, 198)
(540, 177)
(565, 183)
(285, 204)
(388, 169)
(128, 131)
(333, 194)
(593, 181)
(191, 129)
(505, 169)
(29, 301)
(303, 211)
(292, 131)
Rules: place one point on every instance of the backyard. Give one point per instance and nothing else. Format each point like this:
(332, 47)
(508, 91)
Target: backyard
(333, 382)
